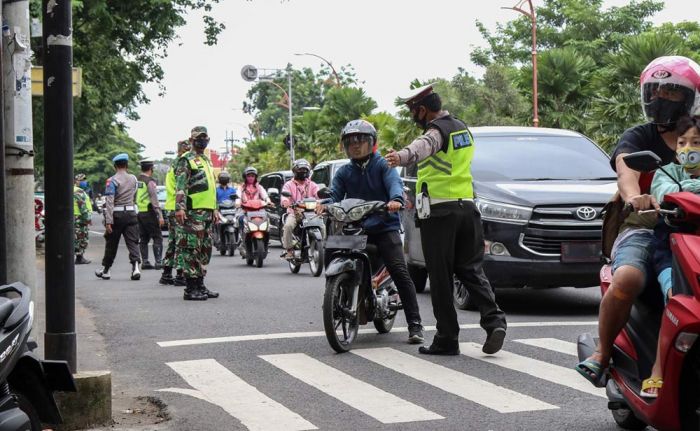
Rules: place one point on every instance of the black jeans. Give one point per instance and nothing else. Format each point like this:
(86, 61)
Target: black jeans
(126, 224)
(453, 244)
(149, 228)
(390, 250)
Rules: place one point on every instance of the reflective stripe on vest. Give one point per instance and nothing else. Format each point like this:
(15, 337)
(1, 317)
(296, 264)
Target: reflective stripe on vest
(76, 209)
(206, 197)
(447, 175)
(170, 190)
(143, 200)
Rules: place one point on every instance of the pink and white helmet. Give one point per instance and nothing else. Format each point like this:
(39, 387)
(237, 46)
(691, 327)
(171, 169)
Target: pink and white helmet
(674, 74)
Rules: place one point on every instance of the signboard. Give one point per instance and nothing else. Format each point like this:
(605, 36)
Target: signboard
(38, 81)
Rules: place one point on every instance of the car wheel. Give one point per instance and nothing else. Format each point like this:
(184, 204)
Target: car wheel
(419, 276)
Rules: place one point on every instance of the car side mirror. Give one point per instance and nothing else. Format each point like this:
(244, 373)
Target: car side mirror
(642, 161)
(324, 193)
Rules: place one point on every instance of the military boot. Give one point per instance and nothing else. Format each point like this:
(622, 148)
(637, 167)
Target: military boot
(167, 276)
(203, 288)
(80, 260)
(192, 291)
(135, 271)
(179, 279)
(146, 265)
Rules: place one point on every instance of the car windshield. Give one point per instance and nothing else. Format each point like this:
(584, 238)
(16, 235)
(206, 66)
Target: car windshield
(539, 158)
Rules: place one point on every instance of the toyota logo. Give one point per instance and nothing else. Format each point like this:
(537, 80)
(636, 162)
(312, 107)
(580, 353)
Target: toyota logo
(586, 213)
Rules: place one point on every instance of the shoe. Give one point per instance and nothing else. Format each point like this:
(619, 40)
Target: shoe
(103, 273)
(180, 280)
(147, 265)
(435, 349)
(158, 266)
(415, 333)
(166, 279)
(494, 341)
(135, 271)
(593, 371)
(651, 383)
(80, 260)
(288, 255)
(192, 292)
(203, 289)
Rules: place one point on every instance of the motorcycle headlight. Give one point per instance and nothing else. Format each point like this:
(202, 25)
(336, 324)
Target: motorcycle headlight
(263, 226)
(358, 212)
(504, 213)
(310, 205)
(252, 227)
(336, 212)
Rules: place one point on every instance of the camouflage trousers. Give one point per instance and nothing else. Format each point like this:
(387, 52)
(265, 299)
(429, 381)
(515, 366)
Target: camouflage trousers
(169, 260)
(193, 249)
(80, 236)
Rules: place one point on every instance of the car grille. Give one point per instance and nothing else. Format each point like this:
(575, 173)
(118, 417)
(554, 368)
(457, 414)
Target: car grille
(550, 226)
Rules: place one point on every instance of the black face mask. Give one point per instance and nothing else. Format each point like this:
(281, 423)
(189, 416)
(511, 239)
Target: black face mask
(666, 112)
(301, 175)
(422, 123)
(201, 143)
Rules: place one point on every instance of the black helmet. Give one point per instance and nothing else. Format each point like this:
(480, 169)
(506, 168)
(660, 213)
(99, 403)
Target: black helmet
(224, 177)
(301, 164)
(249, 170)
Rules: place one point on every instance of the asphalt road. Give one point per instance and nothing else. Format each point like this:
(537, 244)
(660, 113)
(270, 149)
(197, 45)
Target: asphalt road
(255, 358)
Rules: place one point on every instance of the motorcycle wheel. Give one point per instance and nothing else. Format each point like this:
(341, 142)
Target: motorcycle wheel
(689, 389)
(337, 301)
(29, 410)
(249, 256)
(222, 250)
(259, 251)
(294, 267)
(383, 326)
(315, 257)
(626, 419)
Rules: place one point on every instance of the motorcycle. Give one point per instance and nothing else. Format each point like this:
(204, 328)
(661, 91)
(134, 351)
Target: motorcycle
(39, 229)
(677, 406)
(308, 237)
(359, 288)
(227, 232)
(256, 236)
(27, 383)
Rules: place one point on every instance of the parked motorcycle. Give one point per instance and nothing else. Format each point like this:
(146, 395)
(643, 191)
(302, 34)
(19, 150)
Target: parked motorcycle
(677, 406)
(308, 237)
(39, 229)
(227, 237)
(256, 236)
(27, 383)
(359, 288)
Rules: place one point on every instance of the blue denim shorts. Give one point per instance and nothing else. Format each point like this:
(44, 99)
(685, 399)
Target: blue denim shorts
(635, 250)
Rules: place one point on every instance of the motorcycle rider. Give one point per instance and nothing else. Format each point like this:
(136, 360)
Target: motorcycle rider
(223, 192)
(150, 216)
(82, 213)
(369, 177)
(300, 187)
(669, 87)
(251, 190)
(169, 261)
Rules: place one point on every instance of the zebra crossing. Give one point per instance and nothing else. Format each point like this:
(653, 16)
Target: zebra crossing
(211, 381)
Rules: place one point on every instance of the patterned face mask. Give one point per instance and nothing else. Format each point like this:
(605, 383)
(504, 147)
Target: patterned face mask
(689, 158)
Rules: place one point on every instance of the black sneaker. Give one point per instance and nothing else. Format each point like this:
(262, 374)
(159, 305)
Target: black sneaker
(415, 333)
(166, 279)
(436, 349)
(147, 265)
(80, 260)
(494, 341)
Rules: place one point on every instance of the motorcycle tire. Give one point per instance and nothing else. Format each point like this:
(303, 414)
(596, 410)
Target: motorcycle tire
(231, 249)
(383, 326)
(259, 252)
(315, 256)
(336, 299)
(26, 406)
(294, 267)
(626, 419)
(249, 255)
(222, 250)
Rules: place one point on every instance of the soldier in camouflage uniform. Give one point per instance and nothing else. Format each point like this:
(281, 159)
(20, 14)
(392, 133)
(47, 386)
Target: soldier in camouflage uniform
(195, 201)
(169, 261)
(82, 212)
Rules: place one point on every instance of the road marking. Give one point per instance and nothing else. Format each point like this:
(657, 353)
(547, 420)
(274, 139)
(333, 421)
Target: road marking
(284, 335)
(553, 344)
(96, 233)
(379, 404)
(542, 370)
(487, 394)
(220, 386)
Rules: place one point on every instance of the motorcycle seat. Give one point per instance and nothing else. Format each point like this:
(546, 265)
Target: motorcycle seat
(7, 306)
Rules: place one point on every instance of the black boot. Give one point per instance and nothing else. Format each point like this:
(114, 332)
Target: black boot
(146, 265)
(203, 289)
(179, 279)
(192, 291)
(167, 276)
(80, 260)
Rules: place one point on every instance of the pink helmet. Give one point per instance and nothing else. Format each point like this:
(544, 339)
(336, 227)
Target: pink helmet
(675, 74)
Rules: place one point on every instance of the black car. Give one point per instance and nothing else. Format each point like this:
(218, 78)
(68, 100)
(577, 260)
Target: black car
(274, 181)
(540, 193)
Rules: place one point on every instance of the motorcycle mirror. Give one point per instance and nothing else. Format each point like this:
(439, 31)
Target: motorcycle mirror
(324, 193)
(274, 191)
(286, 194)
(642, 161)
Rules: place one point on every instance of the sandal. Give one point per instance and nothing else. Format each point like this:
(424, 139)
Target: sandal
(593, 371)
(651, 383)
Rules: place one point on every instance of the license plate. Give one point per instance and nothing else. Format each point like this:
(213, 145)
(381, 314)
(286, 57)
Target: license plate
(224, 212)
(346, 242)
(581, 252)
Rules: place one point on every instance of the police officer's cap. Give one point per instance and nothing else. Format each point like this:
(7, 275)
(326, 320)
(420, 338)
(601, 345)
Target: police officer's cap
(123, 157)
(417, 95)
(147, 163)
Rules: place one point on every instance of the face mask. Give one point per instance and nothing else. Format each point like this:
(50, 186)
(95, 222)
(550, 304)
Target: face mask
(201, 143)
(301, 175)
(250, 180)
(422, 123)
(689, 158)
(667, 112)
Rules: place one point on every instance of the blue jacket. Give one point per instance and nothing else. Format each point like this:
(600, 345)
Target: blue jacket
(376, 181)
(222, 195)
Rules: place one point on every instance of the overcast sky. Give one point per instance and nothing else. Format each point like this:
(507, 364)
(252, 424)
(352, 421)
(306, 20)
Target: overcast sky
(387, 42)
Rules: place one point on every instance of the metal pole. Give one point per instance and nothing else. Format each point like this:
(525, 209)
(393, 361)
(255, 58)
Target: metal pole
(60, 340)
(533, 20)
(335, 74)
(291, 131)
(3, 220)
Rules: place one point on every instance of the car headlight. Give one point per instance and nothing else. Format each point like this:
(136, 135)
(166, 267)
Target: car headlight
(252, 227)
(504, 213)
(263, 225)
(358, 212)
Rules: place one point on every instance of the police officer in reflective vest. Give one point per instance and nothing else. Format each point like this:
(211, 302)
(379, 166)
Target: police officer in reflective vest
(150, 216)
(120, 218)
(195, 204)
(169, 261)
(450, 224)
(82, 215)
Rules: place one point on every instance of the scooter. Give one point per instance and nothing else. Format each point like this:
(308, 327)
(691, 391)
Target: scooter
(308, 237)
(677, 406)
(256, 237)
(27, 383)
(359, 288)
(228, 238)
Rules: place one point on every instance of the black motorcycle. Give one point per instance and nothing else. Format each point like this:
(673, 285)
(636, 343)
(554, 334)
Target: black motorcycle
(359, 288)
(308, 237)
(228, 233)
(27, 383)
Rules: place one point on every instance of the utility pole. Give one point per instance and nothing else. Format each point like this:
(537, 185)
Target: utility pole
(60, 340)
(19, 144)
(3, 219)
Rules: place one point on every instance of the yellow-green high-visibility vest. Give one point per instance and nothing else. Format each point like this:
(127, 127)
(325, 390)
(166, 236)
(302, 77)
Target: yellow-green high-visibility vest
(170, 189)
(76, 209)
(201, 190)
(143, 199)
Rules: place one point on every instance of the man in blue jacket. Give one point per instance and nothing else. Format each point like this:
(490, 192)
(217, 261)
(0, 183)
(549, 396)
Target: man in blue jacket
(369, 177)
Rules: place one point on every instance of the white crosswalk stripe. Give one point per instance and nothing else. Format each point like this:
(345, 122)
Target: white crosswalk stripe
(553, 344)
(381, 405)
(468, 387)
(534, 367)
